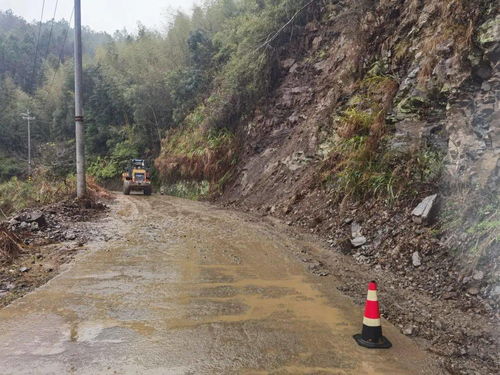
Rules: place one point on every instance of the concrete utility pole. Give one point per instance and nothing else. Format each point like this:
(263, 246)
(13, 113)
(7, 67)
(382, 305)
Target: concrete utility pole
(79, 127)
(27, 116)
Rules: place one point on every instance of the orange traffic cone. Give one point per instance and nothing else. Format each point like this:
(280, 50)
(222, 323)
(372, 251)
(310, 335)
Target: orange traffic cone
(371, 335)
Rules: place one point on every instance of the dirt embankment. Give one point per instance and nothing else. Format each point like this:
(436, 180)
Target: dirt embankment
(425, 290)
(35, 243)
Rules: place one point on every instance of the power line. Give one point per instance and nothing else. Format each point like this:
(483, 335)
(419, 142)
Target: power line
(62, 47)
(51, 28)
(66, 34)
(33, 82)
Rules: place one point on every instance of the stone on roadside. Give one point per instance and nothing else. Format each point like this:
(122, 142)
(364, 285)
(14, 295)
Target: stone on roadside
(69, 236)
(408, 331)
(495, 292)
(422, 213)
(478, 275)
(416, 260)
(358, 241)
(36, 217)
(355, 230)
(473, 291)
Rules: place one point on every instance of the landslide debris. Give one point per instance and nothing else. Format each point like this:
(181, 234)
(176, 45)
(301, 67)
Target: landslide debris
(35, 242)
(382, 138)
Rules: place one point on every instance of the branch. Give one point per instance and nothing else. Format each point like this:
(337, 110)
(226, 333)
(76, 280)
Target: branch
(269, 40)
(3, 213)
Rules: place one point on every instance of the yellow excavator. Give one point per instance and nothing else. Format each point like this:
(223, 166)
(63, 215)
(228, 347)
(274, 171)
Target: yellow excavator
(137, 178)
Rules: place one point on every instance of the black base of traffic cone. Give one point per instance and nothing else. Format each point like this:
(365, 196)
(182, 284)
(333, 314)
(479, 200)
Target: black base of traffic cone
(382, 343)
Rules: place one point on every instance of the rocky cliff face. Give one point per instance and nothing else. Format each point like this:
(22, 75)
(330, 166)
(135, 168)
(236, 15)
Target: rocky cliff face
(443, 59)
(424, 75)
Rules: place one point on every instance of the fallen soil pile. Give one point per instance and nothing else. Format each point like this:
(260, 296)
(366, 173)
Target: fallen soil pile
(53, 223)
(34, 243)
(426, 291)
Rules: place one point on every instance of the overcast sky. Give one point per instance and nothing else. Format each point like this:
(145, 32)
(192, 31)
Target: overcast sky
(103, 15)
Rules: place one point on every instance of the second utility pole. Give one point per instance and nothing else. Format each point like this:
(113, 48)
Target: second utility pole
(79, 127)
(27, 116)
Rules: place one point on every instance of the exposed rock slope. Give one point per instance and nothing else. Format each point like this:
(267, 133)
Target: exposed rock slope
(425, 73)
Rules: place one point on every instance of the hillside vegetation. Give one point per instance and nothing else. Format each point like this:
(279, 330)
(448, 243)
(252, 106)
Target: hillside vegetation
(207, 71)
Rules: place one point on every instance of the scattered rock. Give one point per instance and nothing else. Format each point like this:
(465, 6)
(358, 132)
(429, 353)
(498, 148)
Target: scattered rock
(416, 260)
(358, 241)
(37, 217)
(422, 213)
(24, 269)
(495, 291)
(355, 230)
(318, 268)
(357, 238)
(478, 275)
(408, 331)
(360, 258)
(69, 236)
(473, 291)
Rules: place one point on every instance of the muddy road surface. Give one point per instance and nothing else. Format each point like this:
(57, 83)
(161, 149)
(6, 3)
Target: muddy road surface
(186, 288)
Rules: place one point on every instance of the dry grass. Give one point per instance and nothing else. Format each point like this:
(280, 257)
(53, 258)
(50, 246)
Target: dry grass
(18, 194)
(9, 245)
(190, 154)
(456, 20)
(95, 191)
(361, 165)
(354, 122)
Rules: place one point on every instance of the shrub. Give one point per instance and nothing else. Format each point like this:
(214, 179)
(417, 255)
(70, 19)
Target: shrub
(190, 154)
(354, 122)
(10, 167)
(17, 194)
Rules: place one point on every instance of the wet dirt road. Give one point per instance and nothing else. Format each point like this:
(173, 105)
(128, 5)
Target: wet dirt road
(185, 288)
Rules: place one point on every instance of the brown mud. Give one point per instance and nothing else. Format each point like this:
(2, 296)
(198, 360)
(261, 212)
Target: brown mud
(35, 243)
(182, 287)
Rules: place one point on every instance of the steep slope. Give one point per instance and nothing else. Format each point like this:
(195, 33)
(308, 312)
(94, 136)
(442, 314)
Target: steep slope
(416, 51)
